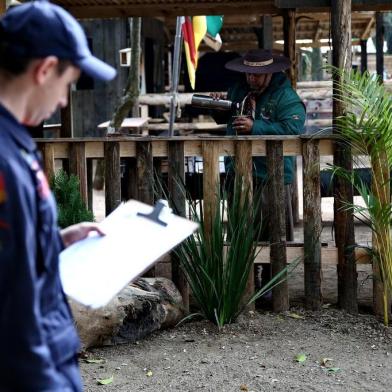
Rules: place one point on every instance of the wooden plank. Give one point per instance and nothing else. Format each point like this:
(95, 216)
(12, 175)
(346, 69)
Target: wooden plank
(210, 183)
(244, 170)
(112, 176)
(329, 255)
(277, 226)
(176, 177)
(77, 166)
(312, 224)
(343, 191)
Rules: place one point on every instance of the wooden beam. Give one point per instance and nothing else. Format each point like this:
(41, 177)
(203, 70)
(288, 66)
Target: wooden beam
(368, 29)
(111, 10)
(343, 191)
(314, 4)
(329, 255)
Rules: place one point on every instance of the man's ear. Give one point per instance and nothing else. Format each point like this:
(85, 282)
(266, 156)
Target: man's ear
(44, 68)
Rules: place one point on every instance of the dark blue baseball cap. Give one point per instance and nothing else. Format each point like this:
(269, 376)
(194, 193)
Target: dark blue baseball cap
(39, 29)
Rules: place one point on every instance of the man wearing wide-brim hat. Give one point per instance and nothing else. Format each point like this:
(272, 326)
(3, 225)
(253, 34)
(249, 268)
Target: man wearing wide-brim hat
(268, 106)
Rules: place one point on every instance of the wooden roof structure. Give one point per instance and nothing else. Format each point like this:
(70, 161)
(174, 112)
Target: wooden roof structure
(165, 8)
(242, 17)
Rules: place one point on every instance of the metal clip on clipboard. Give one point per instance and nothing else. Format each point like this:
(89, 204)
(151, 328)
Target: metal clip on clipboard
(154, 215)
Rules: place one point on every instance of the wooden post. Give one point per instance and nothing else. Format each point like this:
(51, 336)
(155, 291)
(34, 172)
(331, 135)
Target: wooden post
(210, 151)
(47, 150)
(277, 226)
(77, 166)
(176, 177)
(112, 176)
(243, 169)
(312, 223)
(145, 179)
(380, 44)
(364, 57)
(289, 34)
(66, 116)
(264, 34)
(343, 191)
(382, 191)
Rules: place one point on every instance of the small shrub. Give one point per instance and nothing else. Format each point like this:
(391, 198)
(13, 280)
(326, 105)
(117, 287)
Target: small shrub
(70, 206)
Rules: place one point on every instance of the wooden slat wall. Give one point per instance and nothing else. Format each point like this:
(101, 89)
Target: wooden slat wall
(211, 148)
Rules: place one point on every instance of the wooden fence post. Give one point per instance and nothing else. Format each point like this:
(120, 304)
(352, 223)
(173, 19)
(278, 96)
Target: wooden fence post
(77, 166)
(312, 223)
(277, 225)
(210, 151)
(47, 150)
(145, 179)
(112, 175)
(243, 169)
(176, 179)
(381, 177)
(343, 190)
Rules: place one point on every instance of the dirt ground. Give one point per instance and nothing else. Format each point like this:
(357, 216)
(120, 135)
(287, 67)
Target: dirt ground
(258, 353)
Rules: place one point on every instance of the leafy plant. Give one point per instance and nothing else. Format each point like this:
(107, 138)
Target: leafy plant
(218, 270)
(367, 128)
(70, 206)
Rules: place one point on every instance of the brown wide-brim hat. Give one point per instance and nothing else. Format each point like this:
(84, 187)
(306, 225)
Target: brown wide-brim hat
(259, 61)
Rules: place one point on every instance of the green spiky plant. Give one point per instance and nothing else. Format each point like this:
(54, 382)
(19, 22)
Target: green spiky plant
(70, 207)
(217, 267)
(367, 128)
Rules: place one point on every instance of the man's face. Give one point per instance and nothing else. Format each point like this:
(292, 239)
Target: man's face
(258, 82)
(51, 92)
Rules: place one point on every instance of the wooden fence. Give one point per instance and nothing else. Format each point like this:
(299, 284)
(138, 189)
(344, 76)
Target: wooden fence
(147, 151)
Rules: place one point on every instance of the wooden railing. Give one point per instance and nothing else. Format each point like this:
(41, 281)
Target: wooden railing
(79, 154)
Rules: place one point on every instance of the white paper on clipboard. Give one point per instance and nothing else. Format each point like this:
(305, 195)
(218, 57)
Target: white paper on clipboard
(95, 269)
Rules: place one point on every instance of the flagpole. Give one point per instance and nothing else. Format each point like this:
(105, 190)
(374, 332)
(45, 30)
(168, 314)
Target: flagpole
(176, 72)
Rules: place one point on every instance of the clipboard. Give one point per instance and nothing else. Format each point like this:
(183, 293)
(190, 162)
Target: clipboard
(94, 270)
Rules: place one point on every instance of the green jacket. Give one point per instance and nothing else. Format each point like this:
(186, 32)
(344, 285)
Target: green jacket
(279, 111)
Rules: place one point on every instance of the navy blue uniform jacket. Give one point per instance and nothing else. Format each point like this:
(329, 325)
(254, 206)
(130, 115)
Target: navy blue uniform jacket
(37, 334)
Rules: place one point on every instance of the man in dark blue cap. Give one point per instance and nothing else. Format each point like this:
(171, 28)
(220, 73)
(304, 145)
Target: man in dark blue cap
(42, 52)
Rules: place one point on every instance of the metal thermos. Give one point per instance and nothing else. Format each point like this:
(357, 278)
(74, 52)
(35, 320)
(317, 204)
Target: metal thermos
(206, 102)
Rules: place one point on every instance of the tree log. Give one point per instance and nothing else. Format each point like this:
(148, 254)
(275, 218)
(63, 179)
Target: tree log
(139, 309)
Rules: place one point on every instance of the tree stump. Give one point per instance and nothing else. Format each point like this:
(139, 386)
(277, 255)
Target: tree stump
(140, 308)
